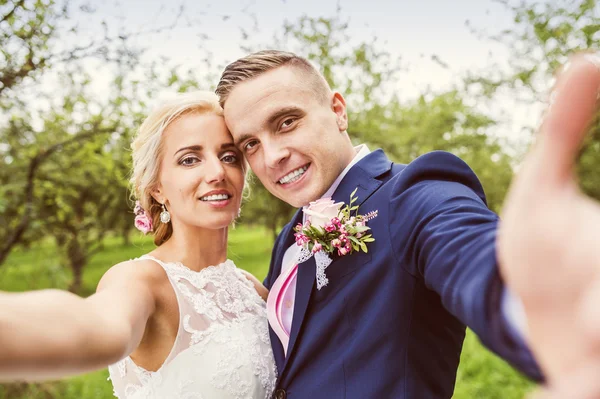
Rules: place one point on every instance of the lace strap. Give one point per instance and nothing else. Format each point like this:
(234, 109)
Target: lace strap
(150, 257)
(168, 268)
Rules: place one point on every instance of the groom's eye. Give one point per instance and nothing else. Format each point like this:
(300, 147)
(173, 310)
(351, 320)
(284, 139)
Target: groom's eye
(250, 145)
(288, 122)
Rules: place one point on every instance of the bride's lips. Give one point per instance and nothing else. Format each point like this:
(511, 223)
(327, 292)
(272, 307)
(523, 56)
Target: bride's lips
(217, 203)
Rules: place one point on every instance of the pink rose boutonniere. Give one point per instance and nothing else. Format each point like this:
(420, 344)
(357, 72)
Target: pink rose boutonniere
(332, 227)
(142, 222)
(321, 212)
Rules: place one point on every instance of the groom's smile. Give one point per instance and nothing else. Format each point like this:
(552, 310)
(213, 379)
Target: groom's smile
(294, 176)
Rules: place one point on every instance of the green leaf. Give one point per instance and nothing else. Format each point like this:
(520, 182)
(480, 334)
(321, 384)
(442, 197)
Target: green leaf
(363, 246)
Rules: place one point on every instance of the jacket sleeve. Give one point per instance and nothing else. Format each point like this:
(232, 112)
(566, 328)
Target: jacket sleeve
(445, 234)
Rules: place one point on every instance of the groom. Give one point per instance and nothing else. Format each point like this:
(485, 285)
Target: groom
(390, 323)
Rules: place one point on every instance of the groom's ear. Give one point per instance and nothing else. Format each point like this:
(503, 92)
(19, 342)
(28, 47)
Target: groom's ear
(338, 106)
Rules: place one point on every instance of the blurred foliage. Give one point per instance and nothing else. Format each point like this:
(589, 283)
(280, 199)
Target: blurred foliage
(543, 36)
(26, 32)
(438, 122)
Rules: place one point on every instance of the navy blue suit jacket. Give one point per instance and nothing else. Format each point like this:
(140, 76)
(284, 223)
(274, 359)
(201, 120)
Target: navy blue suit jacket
(391, 322)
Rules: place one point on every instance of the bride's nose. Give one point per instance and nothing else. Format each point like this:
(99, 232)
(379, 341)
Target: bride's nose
(215, 172)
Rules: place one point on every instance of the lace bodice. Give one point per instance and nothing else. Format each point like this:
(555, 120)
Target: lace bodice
(222, 349)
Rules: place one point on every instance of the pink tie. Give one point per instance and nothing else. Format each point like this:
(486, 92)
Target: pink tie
(280, 305)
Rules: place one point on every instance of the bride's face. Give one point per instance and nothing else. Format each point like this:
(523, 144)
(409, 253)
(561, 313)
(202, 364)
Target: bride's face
(201, 174)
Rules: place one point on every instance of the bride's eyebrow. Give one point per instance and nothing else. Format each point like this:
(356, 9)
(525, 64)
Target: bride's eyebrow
(191, 147)
(227, 146)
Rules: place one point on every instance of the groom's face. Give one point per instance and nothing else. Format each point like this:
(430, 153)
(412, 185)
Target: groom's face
(294, 138)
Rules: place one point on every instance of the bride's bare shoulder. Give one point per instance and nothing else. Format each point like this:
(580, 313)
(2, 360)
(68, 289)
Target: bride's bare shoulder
(142, 270)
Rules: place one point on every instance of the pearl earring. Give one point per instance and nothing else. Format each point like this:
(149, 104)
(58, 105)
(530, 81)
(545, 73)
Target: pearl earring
(165, 216)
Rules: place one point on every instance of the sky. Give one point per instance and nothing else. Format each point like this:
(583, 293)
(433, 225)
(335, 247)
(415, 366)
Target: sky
(412, 30)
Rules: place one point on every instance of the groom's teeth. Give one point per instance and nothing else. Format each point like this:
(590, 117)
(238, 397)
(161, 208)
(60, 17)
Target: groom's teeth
(293, 176)
(216, 197)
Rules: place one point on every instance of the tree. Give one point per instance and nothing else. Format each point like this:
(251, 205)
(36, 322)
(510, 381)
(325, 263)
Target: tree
(40, 39)
(540, 42)
(26, 32)
(438, 122)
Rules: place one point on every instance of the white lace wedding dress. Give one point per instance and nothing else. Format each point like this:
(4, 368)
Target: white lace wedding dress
(222, 349)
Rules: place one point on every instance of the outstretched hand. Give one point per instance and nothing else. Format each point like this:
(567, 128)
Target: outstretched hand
(549, 238)
(583, 384)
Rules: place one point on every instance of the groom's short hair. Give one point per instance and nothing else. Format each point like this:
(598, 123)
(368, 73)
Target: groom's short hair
(256, 64)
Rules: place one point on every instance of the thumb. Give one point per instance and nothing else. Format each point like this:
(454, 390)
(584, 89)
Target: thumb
(572, 108)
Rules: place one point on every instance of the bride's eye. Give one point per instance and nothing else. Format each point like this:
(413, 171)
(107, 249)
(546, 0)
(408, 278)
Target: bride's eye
(230, 158)
(189, 161)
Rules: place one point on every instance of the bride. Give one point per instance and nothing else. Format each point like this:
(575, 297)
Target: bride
(181, 321)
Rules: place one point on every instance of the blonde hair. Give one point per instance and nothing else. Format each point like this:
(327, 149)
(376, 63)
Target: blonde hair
(147, 148)
(256, 64)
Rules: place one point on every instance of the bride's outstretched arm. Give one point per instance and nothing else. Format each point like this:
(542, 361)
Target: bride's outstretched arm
(51, 333)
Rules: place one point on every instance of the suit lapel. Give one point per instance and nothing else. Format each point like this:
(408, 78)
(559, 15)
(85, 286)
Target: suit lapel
(362, 177)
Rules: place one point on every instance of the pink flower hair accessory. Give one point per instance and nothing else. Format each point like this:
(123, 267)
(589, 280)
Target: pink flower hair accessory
(143, 221)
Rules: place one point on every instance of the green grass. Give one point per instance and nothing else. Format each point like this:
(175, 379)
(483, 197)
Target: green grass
(480, 375)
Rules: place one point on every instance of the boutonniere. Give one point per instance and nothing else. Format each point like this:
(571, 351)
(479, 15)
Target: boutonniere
(332, 228)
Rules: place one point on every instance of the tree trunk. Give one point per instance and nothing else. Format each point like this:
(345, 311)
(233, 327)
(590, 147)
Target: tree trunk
(77, 268)
(77, 261)
(35, 162)
(125, 236)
